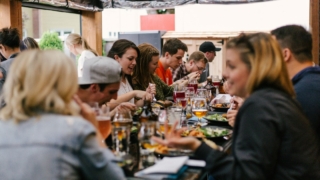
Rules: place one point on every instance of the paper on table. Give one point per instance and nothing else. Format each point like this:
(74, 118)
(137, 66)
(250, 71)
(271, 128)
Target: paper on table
(168, 165)
(196, 163)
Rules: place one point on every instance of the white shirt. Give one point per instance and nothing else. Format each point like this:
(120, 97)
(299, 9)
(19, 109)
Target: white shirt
(125, 88)
(86, 54)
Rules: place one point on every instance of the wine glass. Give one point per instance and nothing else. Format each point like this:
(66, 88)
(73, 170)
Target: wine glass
(216, 83)
(201, 93)
(182, 103)
(193, 83)
(199, 107)
(189, 93)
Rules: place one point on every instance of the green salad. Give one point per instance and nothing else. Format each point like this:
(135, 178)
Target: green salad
(216, 117)
(210, 132)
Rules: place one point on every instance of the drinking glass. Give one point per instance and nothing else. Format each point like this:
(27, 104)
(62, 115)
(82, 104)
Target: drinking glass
(104, 121)
(199, 107)
(193, 83)
(182, 103)
(147, 130)
(189, 94)
(178, 93)
(201, 93)
(216, 83)
(121, 129)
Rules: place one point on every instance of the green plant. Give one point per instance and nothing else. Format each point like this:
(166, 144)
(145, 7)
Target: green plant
(50, 40)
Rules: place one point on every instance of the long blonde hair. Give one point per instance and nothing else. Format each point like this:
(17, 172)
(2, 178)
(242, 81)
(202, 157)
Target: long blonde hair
(263, 57)
(76, 39)
(40, 81)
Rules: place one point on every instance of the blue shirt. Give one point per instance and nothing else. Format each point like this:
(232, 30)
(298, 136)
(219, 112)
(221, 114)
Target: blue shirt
(52, 146)
(307, 86)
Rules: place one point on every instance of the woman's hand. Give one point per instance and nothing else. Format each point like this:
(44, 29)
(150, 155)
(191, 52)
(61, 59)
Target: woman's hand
(86, 111)
(231, 116)
(151, 89)
(173, 139)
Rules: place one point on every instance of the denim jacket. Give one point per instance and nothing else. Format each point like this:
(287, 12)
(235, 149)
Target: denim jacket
(52, 146)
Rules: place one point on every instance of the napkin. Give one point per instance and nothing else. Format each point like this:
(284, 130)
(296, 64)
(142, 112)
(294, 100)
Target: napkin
(221, 98)
(167, 167)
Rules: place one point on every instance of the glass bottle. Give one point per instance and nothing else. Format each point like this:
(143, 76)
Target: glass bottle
(145, 115)
(210, 86)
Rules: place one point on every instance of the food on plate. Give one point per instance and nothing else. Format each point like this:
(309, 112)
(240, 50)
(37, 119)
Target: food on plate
(222, 105)
(161, 149)
(217, 117)
(208, 132)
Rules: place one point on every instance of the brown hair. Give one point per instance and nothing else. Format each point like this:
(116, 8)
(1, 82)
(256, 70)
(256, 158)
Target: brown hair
(30, 43)
(120, 47)
(173, 45)
(263, 57)
(141, 74)
(73, 39)
(198, 56)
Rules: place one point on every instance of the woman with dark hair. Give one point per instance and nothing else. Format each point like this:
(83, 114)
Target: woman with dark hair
(126, 53)
(272, 138)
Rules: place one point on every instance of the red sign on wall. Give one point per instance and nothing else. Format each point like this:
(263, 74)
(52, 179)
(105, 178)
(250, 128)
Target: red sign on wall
(164, 22)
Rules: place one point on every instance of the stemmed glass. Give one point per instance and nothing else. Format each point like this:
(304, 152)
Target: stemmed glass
(182, 102)
(199, 107)
(201, 93)
(193, 83)
(216, 83)
(189, 94)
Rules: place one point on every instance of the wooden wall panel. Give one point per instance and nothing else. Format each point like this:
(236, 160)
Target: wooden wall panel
(314, 27)
(92, 29)
(11, 14)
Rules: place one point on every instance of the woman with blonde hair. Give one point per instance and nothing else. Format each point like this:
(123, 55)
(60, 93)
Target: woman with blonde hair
(272, 138)
(79, 46)
(42, 132)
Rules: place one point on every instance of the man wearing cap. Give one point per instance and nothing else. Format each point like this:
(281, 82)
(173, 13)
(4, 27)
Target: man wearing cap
(100, 81)
(209, 50)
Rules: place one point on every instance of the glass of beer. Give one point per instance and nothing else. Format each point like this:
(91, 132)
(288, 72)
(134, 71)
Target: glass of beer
(121, 128)
(199, 107)
(104, 121)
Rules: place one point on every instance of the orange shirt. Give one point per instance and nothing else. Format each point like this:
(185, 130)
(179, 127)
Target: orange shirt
(164, 75)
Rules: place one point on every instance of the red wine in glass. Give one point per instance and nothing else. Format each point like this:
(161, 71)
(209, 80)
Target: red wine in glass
(194, 85)
(216, 83)
(183, 102)
(178, 94)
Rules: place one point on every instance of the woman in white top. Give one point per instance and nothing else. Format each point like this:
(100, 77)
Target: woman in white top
(79, 46)
(126, 53)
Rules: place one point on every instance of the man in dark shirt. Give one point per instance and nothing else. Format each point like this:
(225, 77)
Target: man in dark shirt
(296, 44)
(209, 50)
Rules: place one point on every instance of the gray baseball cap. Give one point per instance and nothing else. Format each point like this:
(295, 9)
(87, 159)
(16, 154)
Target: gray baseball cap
(100, 70)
